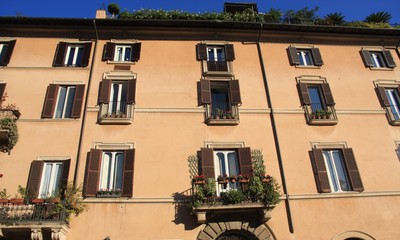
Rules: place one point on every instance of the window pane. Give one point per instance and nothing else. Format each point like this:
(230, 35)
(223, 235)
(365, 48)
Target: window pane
(341, 174)
(70, 59)
(45, 183)
(56, 179)
(128, 52)
(105, 171)
(394, 101)
(119, 163)
(118, 54)
(62, 91)
(70, 102)
(220, 98)
(78, 60)
(315, 97)
(330, 171)
(221, 164)
(3, 51)
(233, 164)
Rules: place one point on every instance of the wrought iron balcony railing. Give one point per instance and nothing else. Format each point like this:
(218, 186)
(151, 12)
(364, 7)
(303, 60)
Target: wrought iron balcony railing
(12, 214)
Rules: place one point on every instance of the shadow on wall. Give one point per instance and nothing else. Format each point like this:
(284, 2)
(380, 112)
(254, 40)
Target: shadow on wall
(183, 212)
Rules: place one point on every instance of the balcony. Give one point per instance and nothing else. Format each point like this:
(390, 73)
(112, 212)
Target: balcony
(8, 127)
(222, 114)
(116, 113)
(33, 221)
(319, 115)
(256, 196)
(217, 68)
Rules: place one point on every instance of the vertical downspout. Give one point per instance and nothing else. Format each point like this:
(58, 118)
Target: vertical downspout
(78, 154)
(275, 133)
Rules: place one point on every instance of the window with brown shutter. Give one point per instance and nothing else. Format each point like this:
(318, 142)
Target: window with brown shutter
(304, 56)
(221, 99)
(217, 57)
(63, 101)
(389, 97)
(6, 49)
(317, 100)
(72, 54)
(122, 52)
(36, 178)
(377, 58)
(96, 172)
(336, 170)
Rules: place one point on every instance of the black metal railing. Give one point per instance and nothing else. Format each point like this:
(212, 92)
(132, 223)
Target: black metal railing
(217, 66)
(117, 110)
(28, 213)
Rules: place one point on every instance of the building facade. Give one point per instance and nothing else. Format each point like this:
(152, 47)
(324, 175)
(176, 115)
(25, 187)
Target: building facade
(132, 110)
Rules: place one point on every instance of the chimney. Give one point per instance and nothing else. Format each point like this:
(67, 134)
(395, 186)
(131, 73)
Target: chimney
(101, 14)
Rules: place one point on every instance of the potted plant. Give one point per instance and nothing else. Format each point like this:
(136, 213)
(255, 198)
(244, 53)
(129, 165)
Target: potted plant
(219, 113)
(71, 202)
(242, 178)
(233, 197)
(4, 197)
(222, 179)
(19, 197)
(198, 180)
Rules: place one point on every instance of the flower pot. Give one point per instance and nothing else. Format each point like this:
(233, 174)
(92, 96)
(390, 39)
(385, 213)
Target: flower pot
(37, 200)
(3, 201)
(244, 180)
(223, 181)
(199, 182)
(16, 201)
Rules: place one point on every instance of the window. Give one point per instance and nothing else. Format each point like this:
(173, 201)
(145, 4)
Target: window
(63, 101)
(215, 57)
(122, 52)
(6, 49)
(221, 99)
(336, 170)
(390, 100)
(305, 56)
(47, 178)
(2, 91)
(111, 170)
(316, 97)
(72, 54)
(229, 162)
(117, 98)
(378, 58)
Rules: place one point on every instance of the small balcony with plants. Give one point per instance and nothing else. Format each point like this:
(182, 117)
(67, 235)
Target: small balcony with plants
(222, 114)
(321, 115)
(256, 194)
(9, 114)
(21, 216)
(116, 113)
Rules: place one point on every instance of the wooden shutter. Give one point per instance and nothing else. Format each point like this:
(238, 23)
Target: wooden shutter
(7, 56)
(64, 176)
(229, 52)
(326, 90)
(136, 47)
(34, 178)
(352, 170)
(86, 54)
(201, 52)
(105, 90)
(245, 163)
(50, 101)
(293, 57)
(205, 91)
(78, 101)
(207, 162)
(2, 90)
(317, 57)
(109, 50)
(92, 173)
(234, 92)
(304, 95)
(127, 179)
(367, 58)
(389, 59)
(382, 97)
(321, 175)
(60, 54)
(131, 98)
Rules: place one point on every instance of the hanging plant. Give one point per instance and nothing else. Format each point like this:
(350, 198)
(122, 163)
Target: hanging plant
(10, 125)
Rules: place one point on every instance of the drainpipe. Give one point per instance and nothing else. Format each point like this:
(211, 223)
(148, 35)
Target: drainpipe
(78, 154)
(275, 133)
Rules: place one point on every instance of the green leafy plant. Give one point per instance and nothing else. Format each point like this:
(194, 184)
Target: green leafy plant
(233, 197)
(71, 202)
(10, 125)
(3, 194)
(113, 8)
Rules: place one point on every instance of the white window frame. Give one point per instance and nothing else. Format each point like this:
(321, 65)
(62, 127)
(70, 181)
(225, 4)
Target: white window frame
(303, 53)
(67, 96)
(332, 170)
(377, 59)
(75, 57)
(54, 179)
(228, 167)
(214, 49)
(119, 56)
(109, 180)
(120, 85)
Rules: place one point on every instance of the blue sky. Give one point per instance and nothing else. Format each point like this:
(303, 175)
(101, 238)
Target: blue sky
(351, 9)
